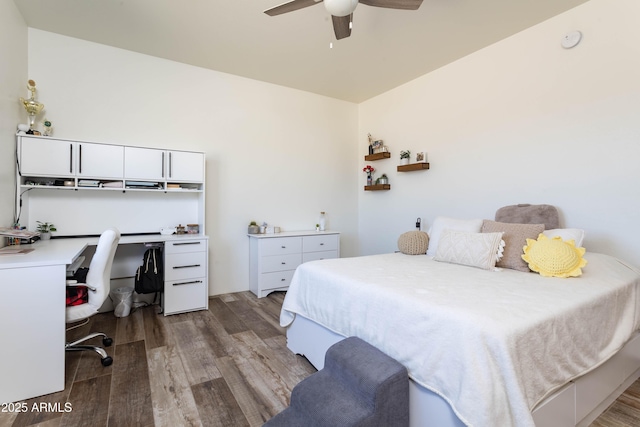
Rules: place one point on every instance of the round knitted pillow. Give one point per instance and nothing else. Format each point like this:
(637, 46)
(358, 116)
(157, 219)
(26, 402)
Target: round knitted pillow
(413, 243)
(554, 257)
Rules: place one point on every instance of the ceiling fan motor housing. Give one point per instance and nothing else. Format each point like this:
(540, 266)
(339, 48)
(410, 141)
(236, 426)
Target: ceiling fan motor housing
(340, 7)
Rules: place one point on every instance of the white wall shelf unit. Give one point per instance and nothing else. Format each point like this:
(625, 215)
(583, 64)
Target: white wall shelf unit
(84, 187)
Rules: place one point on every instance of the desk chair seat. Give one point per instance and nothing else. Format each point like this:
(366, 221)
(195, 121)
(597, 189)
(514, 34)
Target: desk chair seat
(99, 284)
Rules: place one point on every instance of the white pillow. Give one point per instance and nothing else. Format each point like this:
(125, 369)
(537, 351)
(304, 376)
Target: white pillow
(441, 223)
(480, 250)
(575, 234)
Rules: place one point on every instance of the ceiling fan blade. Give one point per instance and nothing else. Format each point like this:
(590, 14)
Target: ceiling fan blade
(290, 6)
(341, 26)
(394, 4)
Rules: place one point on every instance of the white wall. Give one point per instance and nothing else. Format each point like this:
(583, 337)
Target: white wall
(13, 85)
(274, 154)
(521, 121)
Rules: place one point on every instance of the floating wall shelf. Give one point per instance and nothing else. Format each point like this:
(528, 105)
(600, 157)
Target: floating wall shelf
(377, 156)
(413, 167)
(377, 187)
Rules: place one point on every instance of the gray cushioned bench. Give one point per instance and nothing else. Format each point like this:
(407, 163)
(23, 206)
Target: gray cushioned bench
(358, 386)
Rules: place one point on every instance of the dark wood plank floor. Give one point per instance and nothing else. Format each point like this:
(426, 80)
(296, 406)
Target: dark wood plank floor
(227, 366)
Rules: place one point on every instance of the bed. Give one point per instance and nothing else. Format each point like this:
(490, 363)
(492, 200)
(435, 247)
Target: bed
(483, 347)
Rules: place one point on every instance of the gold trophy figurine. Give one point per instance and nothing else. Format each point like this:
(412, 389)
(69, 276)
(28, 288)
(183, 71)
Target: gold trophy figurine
(32, 106)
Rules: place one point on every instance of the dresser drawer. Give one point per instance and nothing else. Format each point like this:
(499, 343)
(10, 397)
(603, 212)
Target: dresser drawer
(279, 262)
(185, 265)
(280, 245)
(314, 256)
(280, 279)
(185, 295)
(320, 243)
(182, 246)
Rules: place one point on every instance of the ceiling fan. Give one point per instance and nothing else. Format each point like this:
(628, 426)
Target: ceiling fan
(342, 10)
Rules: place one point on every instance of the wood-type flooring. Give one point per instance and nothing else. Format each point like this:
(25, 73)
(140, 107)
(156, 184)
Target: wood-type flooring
(227, 366)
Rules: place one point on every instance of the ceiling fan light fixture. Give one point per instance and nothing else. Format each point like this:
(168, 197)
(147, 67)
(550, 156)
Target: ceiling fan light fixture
(340, 7)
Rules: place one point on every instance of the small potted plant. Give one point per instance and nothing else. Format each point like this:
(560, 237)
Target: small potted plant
(253, 228)
(45, 229)
(405, 155)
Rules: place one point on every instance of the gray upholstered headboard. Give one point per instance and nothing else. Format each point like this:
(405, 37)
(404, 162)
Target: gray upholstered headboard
(529, 214)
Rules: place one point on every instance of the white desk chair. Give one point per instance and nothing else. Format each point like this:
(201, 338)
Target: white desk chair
(99, 284)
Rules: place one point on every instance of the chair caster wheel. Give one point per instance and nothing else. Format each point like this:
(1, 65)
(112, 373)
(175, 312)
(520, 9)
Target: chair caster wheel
(107, 341)
(107, 361)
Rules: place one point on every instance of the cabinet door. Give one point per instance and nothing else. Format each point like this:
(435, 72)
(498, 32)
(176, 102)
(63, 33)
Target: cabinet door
(144, 163)
(185, 166)
(47, 157)
(100, 160)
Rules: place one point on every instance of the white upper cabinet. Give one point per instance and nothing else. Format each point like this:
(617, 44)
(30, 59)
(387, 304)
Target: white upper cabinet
(43, 161)
(47, 157)
(185, 166)
(144, 163)
(100, 160)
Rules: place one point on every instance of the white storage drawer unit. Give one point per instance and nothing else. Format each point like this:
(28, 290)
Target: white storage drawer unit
(185, 276)
(275, 257)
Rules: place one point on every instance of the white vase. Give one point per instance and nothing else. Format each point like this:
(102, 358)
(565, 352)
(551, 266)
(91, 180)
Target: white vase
(45, 236)
(404, 161)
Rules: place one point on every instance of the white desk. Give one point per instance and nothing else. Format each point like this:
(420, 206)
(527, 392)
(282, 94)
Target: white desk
(32, 314)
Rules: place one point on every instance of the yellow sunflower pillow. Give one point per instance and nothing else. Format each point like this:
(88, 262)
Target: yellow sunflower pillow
(553, 257)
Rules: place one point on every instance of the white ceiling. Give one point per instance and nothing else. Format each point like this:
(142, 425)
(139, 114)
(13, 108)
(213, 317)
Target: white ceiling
(387, 47)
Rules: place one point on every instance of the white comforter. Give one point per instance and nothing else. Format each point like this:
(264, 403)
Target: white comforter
(492, 343)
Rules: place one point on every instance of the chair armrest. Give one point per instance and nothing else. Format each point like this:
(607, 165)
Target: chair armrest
(75, 284)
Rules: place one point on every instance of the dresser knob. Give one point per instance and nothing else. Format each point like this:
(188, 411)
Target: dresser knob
(282, 280)
(321, 244)
(283, 263)
(283, 247)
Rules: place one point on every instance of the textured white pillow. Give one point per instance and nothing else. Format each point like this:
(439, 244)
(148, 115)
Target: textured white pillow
(480, 250)
(575, 234)
(441, 223)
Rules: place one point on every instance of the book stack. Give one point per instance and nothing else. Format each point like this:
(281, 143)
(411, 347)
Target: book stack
(142, 184)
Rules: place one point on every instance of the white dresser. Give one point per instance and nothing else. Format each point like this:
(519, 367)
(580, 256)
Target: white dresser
(275, 257)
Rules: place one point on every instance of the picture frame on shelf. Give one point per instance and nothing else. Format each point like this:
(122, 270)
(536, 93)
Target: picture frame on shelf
(378, 146)
(421, 157)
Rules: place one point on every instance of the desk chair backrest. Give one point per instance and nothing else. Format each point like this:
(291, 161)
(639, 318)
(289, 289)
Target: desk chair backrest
(98, 278)
(99, 275)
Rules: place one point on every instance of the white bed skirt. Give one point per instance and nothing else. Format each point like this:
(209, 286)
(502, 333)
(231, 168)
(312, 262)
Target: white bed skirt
(576, 404)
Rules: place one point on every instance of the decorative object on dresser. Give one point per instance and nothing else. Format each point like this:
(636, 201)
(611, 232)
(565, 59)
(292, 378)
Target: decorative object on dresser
(322, 225)
(274, 257)
(253, 228)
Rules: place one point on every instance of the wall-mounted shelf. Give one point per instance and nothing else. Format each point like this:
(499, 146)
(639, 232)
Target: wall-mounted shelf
(377, 187)
(413, 167)
(377, 156)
